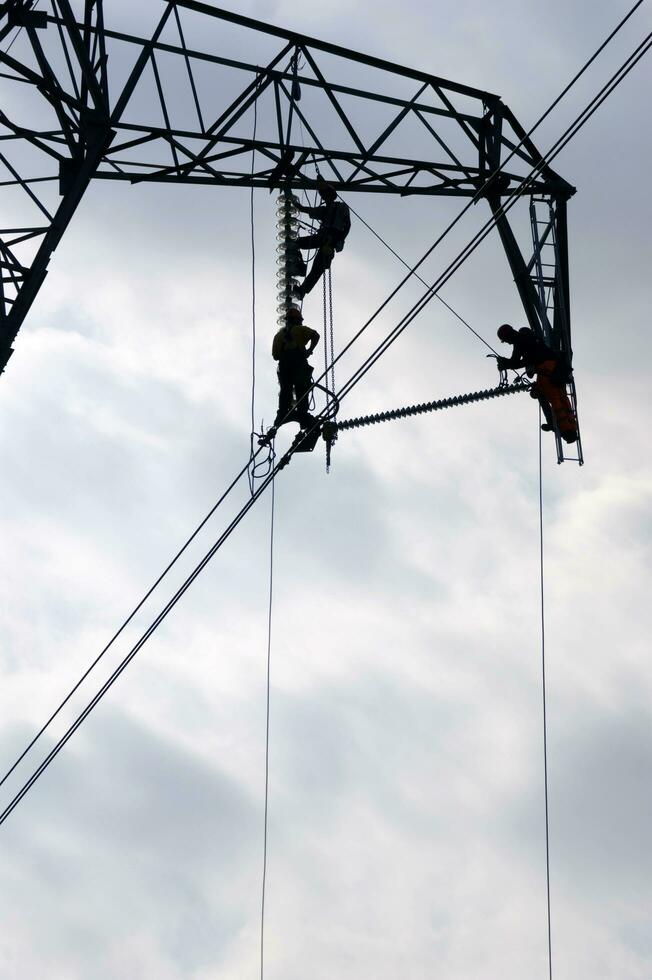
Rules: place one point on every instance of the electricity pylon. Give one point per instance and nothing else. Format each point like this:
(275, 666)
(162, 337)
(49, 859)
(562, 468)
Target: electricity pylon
(83, 101)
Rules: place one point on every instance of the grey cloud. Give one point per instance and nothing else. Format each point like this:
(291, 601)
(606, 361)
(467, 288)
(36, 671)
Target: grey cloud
(406, 807)
(125, 815)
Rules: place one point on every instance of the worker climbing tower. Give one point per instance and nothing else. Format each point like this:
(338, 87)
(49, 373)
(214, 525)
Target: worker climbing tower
(548, 271)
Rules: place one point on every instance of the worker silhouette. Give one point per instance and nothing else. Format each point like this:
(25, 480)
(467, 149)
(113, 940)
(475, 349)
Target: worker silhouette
(334, 225)
(291, 347)
(550, 371)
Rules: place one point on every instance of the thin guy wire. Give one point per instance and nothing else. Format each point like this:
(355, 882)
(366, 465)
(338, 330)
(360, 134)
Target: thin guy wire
(269, 664)
(422, 281)
(543, 689)
(345, 390)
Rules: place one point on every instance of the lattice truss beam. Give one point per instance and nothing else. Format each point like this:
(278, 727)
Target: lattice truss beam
(83, 100)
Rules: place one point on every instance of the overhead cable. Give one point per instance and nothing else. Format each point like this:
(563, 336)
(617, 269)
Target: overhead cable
(151, 629)
(126, 622)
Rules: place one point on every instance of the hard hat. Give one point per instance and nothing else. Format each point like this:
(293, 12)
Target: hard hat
(292, 313)
(325, 188)
(505, 331)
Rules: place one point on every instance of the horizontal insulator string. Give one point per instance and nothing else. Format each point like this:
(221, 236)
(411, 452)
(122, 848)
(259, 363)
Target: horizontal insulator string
(401, 413)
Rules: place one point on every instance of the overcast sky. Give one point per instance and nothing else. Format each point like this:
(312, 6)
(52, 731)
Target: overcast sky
(406, 806)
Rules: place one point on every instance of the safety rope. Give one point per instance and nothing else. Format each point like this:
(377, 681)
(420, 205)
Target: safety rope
(269, 662)
(401, 413)
(543, 689)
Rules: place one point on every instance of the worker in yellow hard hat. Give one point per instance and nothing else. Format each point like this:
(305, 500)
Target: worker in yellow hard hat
(292, 346)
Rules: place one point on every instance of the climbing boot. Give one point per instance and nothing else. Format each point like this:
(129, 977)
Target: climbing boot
(306, 440)
(266, 439)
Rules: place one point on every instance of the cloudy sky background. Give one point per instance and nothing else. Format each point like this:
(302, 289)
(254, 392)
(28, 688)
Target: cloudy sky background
(406, 821)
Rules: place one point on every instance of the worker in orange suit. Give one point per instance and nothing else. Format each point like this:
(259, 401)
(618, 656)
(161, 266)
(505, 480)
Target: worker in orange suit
(550, 371)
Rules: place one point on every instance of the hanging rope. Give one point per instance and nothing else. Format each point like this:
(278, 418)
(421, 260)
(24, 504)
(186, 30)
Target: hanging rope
(543, 688)
(252, 470)
(269, 662)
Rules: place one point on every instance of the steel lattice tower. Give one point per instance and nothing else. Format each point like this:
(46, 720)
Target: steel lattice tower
(85, 101)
